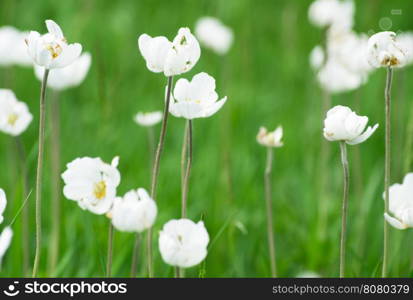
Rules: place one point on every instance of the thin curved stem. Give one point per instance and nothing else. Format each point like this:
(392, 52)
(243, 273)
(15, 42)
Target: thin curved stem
(387, 166)
(185, 185)
(344, 208)
(268, 201)
(110, 251)
(40, 157)
(155, 170)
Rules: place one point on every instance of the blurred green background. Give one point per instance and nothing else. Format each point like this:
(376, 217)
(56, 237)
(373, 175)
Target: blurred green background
(268, 81)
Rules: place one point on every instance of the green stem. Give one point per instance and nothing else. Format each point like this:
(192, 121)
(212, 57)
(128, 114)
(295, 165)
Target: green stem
(40, 157)
(135, 255)
(110, 251)
(268, 201)
(344, 208)
(387, 166)
(155, 170)
(183, 155)
(185, 185)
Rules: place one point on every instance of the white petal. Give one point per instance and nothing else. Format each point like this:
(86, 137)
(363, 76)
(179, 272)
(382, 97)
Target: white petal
(394, 222)
(54, 29)
(68, 56)
(361, 138)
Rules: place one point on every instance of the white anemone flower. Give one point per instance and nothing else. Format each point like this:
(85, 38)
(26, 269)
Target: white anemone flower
(3, 203)
(213, 34)
(13, 50)
(14, 114)
(383, 50)
(332, 13)
(171, 58)
(134, 212)
(67, 77)
(270, 139)
(92, 183)
(342, 124)
(401, 204)
(51, 50)
(148, 119)
(183, 243)
(196, 98)
(5, 241)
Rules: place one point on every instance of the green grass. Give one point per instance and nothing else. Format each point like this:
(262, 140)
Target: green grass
(268, 81)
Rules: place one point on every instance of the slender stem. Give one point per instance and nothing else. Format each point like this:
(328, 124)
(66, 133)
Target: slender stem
(55, 181)
(155, 170)
(183, 155)
(344, 207)
(387, 166)
(185, 185)
(268, 200)
(110, 251)
(135, 255)
(42, 123)
(177, 272)
(25, 213)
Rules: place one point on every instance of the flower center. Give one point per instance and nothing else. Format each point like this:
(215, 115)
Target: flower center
(54, 50)
(100, 190)
(12, 119)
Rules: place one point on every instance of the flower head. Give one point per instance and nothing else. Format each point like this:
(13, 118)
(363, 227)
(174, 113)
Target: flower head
(270, 139)
(5, 241)
(171, 58)
(14, 114)
(183, 243)
(342, 124)
(196, 98)
(401, 204)
(67, 77)
(51, 50)
(135, 212)
(214, 35)
(383, 50)
(92, 183)
(3, 203)
(332, 13)
(13, 50)
(148, 119)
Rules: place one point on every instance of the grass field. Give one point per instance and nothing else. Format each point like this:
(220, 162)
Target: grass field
(268, 81)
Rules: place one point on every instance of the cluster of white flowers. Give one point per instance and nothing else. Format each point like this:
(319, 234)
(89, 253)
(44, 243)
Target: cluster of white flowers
(7, 233)
(14, 114)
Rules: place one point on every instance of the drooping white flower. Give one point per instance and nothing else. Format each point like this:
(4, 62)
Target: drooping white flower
(405, 40)
(67, 77)
(213, 34)
(148, 119)
(383, 50)
(183, 243)
(5, 241)
(135, 212)
(171, 58)
(332, 13)
(14, 114)
(51, 50)
(342, 124)
(3, 203)
(270, 139)
(196, 98)
(401, 204)
(317, 58)
(92, 183)
(13, 50)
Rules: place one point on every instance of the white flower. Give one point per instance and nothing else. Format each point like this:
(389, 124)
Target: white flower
(92, 183)
(51, 50)
(405, 40)
(14, 114)
(317, 58)
(196, 98)
(148, 118)
(171, 58)
(183, 243)
(67, 77)
(383, 50)
(5, 241)
(270, 139)
(3, 203)
(401, 204)
(342, 124)
(332, 13)
(213, 34)
(13, 50)
(135, 212)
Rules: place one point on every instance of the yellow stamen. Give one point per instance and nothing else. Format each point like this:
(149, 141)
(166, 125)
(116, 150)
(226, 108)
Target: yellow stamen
(100, 190)
(12, 119)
